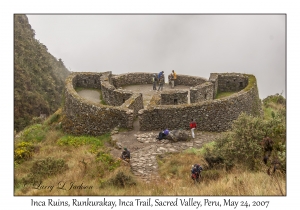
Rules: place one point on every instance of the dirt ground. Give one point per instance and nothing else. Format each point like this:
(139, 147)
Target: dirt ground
(91, 95)
(148, 92)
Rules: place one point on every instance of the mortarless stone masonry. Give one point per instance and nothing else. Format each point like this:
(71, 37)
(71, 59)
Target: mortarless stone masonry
(122, 107)
(202, 92)
(174, 97)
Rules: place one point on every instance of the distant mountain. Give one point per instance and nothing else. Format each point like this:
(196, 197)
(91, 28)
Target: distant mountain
(38, 76)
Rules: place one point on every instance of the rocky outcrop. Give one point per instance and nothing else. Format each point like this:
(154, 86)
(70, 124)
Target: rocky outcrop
(178, 135)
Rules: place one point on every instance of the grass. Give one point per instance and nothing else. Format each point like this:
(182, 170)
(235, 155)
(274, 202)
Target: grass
(174, 171)
(102, 101)
(224, 94)
(200, 151)
(251, 82)
(272, 106)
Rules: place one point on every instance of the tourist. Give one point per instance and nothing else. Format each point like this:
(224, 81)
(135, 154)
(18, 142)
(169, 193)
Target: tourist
(125, 155)
(173, 78)
(160, 74)
(193, 125)
(154, 80)
(161, 82)
(196, 172)
(170, 79)
(163, 134)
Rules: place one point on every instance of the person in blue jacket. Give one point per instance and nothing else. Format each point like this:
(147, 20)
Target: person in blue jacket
(163, 134)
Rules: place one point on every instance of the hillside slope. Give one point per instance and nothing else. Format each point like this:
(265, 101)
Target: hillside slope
(38, 76)
(45, 154)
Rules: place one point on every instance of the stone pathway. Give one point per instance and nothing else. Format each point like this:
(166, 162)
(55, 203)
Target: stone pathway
(143, 161)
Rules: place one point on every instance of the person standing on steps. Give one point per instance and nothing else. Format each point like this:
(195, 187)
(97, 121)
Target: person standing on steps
(193, 125)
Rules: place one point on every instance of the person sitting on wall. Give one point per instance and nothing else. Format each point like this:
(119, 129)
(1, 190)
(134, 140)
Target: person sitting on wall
(163, 134)
(125, 155)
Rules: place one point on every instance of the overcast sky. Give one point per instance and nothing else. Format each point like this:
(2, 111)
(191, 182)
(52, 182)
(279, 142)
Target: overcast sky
(190, 44)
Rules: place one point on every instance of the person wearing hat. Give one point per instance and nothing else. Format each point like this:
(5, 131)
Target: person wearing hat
(125, 154)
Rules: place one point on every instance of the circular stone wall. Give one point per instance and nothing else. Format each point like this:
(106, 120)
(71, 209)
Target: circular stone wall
(86, 117)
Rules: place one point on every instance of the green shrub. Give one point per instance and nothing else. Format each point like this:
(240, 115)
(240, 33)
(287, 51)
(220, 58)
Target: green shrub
(122, 180)
(23, 151)
(276, 99)
(53, 118)
(96, 143)
(45, 168)
(242, 144)
(34, 133)
(107, 160)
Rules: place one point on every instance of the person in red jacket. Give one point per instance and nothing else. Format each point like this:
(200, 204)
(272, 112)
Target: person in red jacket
(193, 125)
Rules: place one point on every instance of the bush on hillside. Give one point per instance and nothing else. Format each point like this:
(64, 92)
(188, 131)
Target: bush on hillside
(276, 99)
(243, 144)
(23, 151)
(45, 168)
(34, 133)
(122, 180)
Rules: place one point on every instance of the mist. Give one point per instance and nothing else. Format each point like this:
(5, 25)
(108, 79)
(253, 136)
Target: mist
(190, 44)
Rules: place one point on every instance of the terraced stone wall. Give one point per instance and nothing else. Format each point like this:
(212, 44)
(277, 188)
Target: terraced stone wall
(89, 80)
(174, 97)
(111, 95)
(214, 79)
(202, 92)
(135, 103)
(86, 117)
(137, 78)
(189, 80)
(230, 82)
(213, 115)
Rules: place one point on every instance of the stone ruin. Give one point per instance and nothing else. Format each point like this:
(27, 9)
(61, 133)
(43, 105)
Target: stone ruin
(170, 109)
